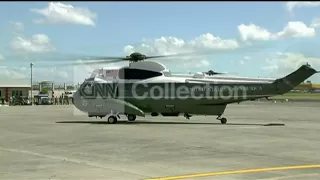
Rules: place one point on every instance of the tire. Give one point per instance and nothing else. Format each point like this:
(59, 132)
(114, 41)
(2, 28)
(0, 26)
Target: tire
(112, 120)
(223, 121)
(131, 117)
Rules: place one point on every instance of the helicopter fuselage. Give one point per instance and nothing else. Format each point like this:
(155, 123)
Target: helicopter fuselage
(171, 95)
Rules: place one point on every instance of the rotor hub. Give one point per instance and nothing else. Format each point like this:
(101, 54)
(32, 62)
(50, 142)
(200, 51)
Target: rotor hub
(136, 56)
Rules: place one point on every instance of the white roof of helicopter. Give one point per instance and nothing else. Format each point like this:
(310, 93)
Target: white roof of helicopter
(147, 65)
(159, 67)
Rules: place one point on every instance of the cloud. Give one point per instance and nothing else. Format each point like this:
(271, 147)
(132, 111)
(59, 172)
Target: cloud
(17, 26)
(283, 63)
(253, 32)
(174, 45)
(190, 65)
(247, 58)
(59, 13)
(38, 43)
(294, 29)
(39, 73)
(315, 23)
(12, 73)
(203, 63)
(295, 4)
(1, 57)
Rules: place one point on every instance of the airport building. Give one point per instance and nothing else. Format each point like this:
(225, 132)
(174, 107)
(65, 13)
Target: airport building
(307, 86)
(14, 87)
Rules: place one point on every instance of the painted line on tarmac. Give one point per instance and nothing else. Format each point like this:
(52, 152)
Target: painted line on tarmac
(71, 160)
(237, 172)
(292, 176)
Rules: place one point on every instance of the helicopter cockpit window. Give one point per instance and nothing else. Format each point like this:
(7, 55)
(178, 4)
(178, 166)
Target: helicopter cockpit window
(96, 72)
(87, 87)
(128, 73)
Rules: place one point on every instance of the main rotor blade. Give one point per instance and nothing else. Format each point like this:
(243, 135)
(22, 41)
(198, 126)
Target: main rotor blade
(194, 72)
(90, 63)
(218, 51)
(93, 58)
(59, 56)
(55, 56)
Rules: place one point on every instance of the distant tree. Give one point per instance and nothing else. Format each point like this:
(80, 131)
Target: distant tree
(70, 87)
(44, 91)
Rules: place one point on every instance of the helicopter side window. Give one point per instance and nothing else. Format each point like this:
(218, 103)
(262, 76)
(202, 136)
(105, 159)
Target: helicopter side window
(137, 74)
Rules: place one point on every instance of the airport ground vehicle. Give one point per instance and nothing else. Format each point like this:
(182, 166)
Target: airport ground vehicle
(42, 99)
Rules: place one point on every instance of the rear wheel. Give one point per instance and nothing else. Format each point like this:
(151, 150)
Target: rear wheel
(223, 121)
(131, 117)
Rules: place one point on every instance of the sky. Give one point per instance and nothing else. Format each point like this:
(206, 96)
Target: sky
(255, 39)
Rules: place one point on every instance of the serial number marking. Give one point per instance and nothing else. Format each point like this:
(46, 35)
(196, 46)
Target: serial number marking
(217, 89)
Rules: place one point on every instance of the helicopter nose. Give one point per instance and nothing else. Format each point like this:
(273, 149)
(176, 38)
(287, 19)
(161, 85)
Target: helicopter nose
(79, 103)
(87, 104)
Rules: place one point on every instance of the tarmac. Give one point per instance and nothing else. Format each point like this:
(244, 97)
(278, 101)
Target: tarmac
(261, 141)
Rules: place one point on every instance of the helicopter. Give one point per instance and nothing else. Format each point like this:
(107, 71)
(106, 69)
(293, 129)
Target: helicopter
(149, 87)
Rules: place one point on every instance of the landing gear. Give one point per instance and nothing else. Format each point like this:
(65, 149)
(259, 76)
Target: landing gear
(112, 120)
(222, 119)
(131, 117)
(187, 116)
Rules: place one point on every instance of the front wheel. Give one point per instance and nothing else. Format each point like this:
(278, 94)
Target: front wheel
(112, 120)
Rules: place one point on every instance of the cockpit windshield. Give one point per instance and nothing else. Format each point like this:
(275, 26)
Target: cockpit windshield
(138, 74)
(95, 73)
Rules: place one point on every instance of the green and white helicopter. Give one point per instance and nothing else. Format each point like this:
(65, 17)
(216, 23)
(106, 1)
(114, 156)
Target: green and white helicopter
(149, 88)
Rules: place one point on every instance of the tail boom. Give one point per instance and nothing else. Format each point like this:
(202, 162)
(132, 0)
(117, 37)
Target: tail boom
(289, 82)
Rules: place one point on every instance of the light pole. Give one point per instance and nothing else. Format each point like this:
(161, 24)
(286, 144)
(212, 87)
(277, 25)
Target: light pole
(31, 64)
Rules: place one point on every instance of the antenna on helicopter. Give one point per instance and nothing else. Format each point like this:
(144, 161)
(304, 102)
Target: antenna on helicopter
(211, 73)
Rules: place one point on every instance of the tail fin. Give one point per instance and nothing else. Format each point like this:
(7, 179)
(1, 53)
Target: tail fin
(292, 80)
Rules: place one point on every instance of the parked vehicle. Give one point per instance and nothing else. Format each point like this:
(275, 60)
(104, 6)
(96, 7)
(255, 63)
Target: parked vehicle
(21, 100)
(42, 99)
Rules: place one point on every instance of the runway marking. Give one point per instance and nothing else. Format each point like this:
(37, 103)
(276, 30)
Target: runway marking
(293, 176)
(77, 161)
(237, 172)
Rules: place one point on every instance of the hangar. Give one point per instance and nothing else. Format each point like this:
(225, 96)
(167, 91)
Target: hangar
(307, 87)
(14, 87)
